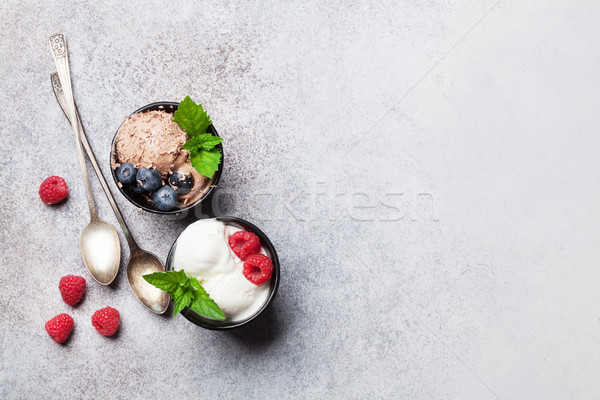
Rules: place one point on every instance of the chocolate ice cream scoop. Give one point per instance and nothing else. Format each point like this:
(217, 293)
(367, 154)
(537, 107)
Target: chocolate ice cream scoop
(152, 140)
(149, 138)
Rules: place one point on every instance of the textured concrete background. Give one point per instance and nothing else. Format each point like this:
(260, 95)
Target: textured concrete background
(427, 170)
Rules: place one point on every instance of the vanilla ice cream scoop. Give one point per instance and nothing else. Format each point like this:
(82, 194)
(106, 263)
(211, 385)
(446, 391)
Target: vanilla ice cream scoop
(203, 251)
(237, 297)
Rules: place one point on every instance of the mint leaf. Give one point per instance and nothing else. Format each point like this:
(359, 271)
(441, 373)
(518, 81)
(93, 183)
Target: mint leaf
(180, 276)
(193, 144)
(205, 141)
(191, 117)
(174, 283)
(206, 162)
(185, 292)
(183, 301)
(209, 141)
(169, 281)
(203, 304)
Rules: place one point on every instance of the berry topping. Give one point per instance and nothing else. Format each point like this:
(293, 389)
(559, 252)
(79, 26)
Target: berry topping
(126, 174)
(137, 188)
(258, 268)
(59, 328)
(149, 179)
(106, 321)
(71, 289)
(165, 198)
(53, 190)
(244, 244)
(182, 182)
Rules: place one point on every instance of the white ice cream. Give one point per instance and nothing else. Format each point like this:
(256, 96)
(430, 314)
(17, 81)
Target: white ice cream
(203, 251)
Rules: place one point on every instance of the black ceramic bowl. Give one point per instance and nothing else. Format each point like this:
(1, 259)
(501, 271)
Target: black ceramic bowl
(213, 324)
(137, 199)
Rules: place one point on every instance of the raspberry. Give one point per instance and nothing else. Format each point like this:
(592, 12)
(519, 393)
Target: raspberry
(71, 289)
(244, 244)
(59, 328)
(53, 190)
(258, 268)
(106, 321)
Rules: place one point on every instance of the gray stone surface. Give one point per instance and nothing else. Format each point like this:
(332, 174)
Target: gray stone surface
(428, 172)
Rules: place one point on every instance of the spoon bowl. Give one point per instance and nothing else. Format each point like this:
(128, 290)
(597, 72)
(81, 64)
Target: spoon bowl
(101, 251)
(142, 263)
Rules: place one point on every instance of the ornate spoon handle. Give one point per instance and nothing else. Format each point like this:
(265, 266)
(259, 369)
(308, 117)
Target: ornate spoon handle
(58, 45)
(60, 97)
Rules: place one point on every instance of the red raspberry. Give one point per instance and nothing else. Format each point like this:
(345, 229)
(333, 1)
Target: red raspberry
(244, 244)
(258, 268)
(71, 289)
(53, 190)
(106, 321)
(59, 328)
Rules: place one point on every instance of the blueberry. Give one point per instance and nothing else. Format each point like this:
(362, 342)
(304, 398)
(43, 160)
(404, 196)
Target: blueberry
(164, 198)
(137, 189)
(126, 174)
(149, 179)
(182, 182)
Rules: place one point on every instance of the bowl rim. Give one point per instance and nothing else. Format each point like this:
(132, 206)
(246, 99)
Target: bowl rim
(217, 325)
(164, 105)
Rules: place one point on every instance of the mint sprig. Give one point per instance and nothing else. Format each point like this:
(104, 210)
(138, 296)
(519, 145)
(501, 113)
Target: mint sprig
(192, 118)
(185, 292)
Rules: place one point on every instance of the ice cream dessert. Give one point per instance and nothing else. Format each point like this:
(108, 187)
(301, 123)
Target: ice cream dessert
(229, 262)
(161, 165)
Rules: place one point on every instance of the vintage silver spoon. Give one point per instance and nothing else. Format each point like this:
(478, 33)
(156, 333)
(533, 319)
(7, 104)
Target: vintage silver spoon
(141, 262)
(99, 242)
